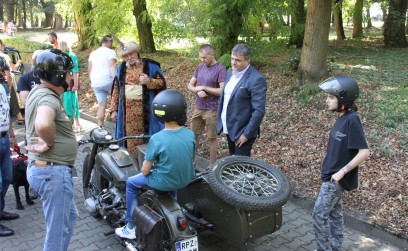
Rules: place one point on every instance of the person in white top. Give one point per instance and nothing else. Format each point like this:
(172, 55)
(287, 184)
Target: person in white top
(101, 70)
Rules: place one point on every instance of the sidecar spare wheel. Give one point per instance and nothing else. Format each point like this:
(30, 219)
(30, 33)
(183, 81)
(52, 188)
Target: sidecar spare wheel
(248, 183)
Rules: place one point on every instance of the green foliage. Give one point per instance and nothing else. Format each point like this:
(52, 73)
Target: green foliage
(304, 93)
(113, 17)
(25, 47)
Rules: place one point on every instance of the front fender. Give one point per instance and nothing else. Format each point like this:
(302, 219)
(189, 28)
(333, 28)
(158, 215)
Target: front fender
(87, 149)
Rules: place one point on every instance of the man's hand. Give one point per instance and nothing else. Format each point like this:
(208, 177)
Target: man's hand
(144, 79)
(38, 145)
(241, 140)
(114, 116)
(202, 94)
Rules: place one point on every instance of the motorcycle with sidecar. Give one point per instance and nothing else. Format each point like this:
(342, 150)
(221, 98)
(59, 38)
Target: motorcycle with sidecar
(240, 198)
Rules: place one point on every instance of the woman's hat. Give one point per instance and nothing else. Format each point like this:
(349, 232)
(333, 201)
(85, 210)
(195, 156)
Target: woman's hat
(128, 48)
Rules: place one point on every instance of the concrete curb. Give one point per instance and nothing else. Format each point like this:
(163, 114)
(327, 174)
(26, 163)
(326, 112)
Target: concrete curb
(308, 204)
(356, 223)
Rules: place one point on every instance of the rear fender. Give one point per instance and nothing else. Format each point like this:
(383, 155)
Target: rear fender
(169, 209)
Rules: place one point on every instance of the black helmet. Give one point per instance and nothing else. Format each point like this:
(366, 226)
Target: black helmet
(170, 105)
(345, 88)
(52, 65)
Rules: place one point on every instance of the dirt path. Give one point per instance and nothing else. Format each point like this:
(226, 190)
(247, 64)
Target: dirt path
(42, 36)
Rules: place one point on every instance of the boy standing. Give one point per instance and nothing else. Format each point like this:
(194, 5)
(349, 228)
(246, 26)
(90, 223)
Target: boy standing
(172, 152)
(347, 148)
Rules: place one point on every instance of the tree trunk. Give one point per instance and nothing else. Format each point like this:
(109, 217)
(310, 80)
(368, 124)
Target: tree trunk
(369, 23)
(394, 31)
(384, 11)
(83, 24)
(24, 15)
(337, 6)
(1, 10)
(144, 26)
(49, 9)
(358, 19)
(10, 10)
(58, 22)
(313, 65)
(297, 28)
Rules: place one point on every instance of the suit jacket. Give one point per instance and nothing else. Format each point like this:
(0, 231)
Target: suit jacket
(246, 107)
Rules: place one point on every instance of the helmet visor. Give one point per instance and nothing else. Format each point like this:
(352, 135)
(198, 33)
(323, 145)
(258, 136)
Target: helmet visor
(331, 86)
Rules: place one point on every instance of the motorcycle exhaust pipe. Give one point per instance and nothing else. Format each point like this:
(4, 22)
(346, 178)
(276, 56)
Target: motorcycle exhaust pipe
(129, 246)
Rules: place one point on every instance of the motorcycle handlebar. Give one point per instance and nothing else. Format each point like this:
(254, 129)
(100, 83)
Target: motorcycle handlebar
(112, 141)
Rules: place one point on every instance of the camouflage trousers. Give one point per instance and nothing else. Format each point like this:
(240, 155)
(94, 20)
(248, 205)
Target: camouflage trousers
(328, 217)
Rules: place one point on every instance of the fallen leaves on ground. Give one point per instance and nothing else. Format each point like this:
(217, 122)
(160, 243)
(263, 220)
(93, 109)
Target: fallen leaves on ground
(294, 137)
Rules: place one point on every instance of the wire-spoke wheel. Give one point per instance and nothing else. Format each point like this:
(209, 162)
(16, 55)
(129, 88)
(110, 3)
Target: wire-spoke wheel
(249, 183)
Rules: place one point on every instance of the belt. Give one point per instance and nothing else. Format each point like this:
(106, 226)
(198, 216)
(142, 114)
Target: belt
(42, 163)
(3, 134)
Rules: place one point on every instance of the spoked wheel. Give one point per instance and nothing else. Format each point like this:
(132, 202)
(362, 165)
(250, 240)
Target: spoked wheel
(248, 183)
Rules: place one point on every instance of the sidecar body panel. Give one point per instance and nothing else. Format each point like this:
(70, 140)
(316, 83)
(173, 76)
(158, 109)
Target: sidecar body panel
(237, 225)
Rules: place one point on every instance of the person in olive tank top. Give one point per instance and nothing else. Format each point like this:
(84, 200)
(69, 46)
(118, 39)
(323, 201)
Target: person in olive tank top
(52, 148)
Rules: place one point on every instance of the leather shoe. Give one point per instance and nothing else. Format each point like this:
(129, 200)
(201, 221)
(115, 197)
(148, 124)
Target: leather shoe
(5, 231)
(9, 216)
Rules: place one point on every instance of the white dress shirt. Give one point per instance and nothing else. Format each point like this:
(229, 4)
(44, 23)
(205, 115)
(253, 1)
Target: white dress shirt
(229, 88)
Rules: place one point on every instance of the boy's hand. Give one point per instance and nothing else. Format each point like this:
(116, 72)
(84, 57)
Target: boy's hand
(338, 176)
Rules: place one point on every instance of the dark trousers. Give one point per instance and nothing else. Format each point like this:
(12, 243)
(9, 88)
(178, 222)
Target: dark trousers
(244, 150)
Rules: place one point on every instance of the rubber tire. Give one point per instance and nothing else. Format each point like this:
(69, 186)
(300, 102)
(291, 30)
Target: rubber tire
(233, 197)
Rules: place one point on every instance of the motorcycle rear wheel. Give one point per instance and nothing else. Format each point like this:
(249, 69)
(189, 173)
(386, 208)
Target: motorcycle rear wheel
(248, 183)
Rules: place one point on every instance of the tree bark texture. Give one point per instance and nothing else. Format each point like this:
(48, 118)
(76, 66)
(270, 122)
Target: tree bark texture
(144, 26)
(394, 30)
(58, 22)
(83, 24)
(297, 29)
(338, 19)
(313, 65)
(10, 10)
(358, 19)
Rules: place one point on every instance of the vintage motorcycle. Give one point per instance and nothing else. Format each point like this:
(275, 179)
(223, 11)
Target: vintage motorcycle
(240, 198)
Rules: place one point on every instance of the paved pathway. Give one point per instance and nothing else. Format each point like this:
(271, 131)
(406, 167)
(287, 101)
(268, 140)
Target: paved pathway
(295, 234)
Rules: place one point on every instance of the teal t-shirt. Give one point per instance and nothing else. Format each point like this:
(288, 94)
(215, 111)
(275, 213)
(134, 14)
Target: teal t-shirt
(172, 152)
(75, 60)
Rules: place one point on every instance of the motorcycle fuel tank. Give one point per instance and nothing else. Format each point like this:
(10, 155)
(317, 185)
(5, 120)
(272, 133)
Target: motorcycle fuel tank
(116, 164)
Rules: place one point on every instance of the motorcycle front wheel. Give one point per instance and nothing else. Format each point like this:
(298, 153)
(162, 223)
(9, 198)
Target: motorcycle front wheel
(248, 183)
(90, 191)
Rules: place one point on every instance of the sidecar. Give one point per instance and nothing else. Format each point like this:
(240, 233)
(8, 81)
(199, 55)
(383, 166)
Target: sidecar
(240, 198)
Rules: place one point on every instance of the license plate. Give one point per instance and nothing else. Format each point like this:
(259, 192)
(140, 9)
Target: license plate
(190, 244)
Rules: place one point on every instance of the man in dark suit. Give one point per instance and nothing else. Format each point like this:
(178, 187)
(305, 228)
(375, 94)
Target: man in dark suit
(242, 103)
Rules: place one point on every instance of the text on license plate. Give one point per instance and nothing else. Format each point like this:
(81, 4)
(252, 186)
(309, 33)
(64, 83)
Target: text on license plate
(190, 244)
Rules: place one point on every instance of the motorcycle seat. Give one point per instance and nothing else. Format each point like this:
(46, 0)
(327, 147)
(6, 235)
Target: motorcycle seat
(160, 192)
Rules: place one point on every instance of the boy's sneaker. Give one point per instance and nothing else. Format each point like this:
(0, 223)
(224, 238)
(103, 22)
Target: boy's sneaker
(125, 232)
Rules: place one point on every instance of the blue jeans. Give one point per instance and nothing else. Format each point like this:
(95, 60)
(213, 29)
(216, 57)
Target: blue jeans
(133, 185)
(6, 170)
(328, 217)
(54, 185)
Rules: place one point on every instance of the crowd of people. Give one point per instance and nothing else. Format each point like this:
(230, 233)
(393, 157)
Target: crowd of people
(230, 103)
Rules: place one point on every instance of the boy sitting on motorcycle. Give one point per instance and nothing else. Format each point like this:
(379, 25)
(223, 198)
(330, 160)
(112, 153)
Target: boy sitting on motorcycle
(171, 151)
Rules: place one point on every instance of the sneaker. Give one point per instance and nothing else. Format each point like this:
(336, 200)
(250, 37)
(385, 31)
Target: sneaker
(125, 232)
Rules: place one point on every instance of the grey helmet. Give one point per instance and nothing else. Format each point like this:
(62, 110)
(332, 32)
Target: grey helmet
(345, 88)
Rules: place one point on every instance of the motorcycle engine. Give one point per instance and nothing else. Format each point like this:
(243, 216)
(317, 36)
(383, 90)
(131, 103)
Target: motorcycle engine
(105, 203)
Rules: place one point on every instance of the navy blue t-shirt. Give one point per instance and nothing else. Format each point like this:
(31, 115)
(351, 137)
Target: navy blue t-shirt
(27, 82)
(346, 138)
